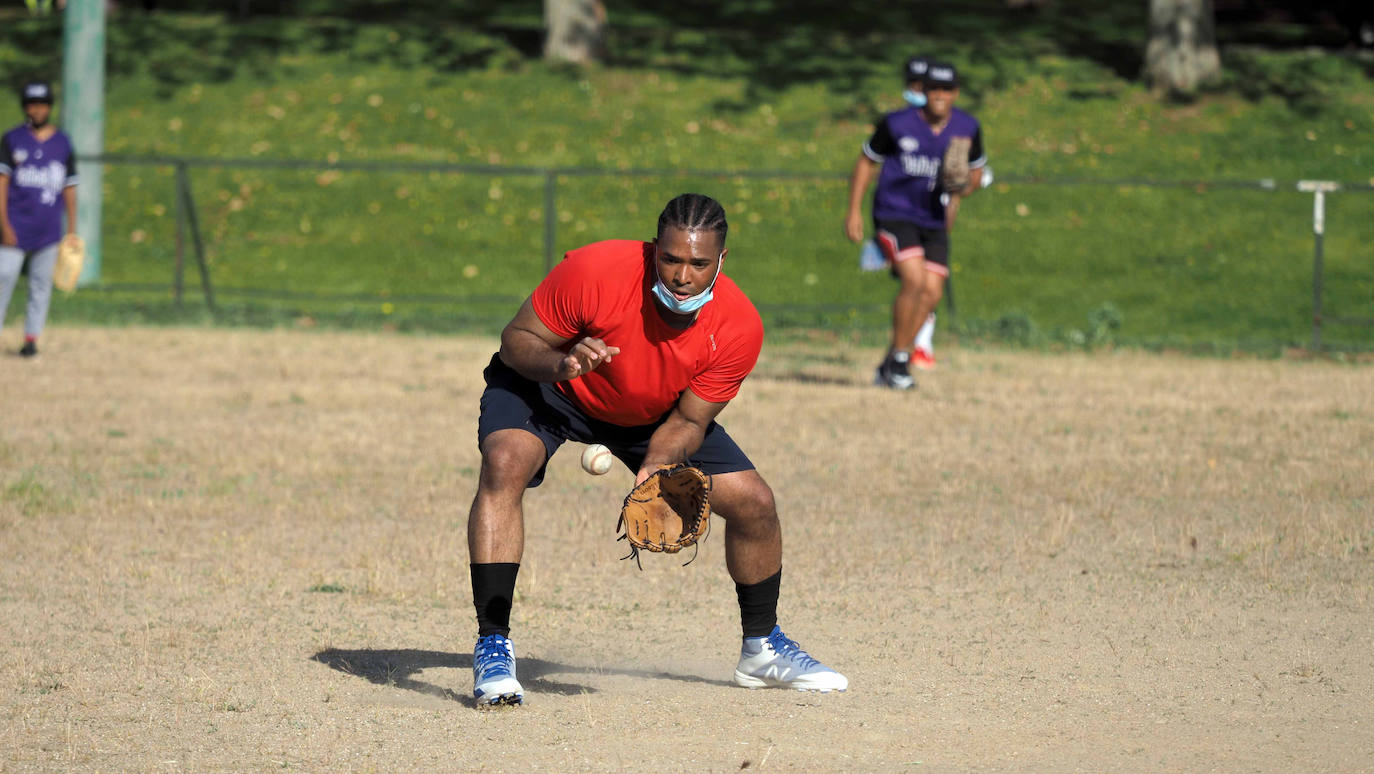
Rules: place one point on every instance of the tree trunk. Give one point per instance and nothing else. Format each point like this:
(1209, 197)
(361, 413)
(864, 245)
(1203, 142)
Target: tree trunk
(1181, 55)
(575, 30)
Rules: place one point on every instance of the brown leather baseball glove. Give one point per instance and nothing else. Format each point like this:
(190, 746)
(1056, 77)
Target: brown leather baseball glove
(669, 511)
(954, 170)
(71, 254)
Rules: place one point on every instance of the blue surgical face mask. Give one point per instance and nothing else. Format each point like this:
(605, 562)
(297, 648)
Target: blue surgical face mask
(914, 98)
(690, 304)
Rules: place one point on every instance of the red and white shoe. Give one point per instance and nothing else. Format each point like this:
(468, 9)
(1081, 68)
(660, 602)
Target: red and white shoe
(923, 360)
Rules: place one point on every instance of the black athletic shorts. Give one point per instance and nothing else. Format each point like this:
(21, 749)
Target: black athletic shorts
(512, 401)
(900, 241)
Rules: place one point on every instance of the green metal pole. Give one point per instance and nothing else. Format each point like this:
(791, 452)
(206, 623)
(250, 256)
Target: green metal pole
(83, 117)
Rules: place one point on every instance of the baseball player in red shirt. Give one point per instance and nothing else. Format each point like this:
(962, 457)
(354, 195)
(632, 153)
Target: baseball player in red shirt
(638, 346)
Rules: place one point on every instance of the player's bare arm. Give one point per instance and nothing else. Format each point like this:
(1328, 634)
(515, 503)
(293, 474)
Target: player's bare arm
(537, 353)
(865, 169)
(69, 202)
(681, 433)
(975, 182)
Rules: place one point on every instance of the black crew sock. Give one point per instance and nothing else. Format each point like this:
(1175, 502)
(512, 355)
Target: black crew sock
(493, 588)
(758, 605)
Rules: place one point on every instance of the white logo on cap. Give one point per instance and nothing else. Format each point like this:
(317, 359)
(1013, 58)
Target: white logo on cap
(941, 74)
(36, 91)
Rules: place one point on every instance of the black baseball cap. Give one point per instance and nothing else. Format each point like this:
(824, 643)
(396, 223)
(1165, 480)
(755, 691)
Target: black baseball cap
(35, 91)
(942, 74)
(915, 69)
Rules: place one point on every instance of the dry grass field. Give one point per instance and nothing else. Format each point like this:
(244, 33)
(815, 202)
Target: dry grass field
(226, 550)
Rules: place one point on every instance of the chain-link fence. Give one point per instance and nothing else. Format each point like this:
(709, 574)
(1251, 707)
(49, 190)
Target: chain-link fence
(453, 246)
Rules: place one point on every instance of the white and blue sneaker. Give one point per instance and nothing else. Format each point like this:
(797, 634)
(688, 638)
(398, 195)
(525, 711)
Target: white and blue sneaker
(777, 662)
(493, 673)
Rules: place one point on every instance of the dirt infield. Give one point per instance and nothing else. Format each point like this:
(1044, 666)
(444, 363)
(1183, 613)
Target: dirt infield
(244, 550)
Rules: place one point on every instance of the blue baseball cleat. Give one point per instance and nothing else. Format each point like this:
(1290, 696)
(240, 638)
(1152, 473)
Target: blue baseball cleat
(777, 662)
(493, 673)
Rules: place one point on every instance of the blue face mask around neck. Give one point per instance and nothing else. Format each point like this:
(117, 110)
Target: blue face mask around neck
(914, 98)
(687, 305)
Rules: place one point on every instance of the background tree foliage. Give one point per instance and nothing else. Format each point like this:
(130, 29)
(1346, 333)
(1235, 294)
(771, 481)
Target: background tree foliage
(1181, 55)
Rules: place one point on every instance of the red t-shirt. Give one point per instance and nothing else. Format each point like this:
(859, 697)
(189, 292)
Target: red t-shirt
(604, 290)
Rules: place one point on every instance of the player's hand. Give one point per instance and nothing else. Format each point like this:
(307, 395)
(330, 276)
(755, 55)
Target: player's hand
(7, 237)
(952, 211)
(854, 227)
(586, 356)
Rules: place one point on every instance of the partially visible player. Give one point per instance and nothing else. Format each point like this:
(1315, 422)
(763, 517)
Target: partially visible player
(912, 213)
(923, 352)
(914, 77)
(638, 346)
(923, 348)
(37, 187)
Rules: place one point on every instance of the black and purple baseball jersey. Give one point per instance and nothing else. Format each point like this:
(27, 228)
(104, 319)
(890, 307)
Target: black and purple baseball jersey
(909, 182)
(38, 171)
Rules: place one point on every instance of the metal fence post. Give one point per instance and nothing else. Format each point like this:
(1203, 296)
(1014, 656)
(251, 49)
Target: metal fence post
(1318, 226)
(1319, 189)
(179, 267)
(184, 183)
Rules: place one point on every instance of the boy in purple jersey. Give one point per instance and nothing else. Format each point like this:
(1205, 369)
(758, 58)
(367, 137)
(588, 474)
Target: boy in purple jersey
(912, 213)
(37, 186)
(914, 75)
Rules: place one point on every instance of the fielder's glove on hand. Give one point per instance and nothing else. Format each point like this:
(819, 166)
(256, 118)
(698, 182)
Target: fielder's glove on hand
(669, 511)
(954, 170)
(71, 254)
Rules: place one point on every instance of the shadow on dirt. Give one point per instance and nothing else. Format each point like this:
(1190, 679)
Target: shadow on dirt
(398, 667)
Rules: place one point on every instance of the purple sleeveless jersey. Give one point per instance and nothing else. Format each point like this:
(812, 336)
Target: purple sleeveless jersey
(909, 182)
(38, 171)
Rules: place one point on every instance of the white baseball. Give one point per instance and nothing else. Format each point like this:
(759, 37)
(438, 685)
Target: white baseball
(597, 459)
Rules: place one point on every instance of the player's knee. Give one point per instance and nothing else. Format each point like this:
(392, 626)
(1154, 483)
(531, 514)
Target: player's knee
(748, 499)
(911, 287)
(507, 466)
(760, 501)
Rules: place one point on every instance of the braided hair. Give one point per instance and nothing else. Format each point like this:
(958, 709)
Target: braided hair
(694, 212)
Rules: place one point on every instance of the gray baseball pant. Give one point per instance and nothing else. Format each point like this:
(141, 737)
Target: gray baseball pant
(42, 264)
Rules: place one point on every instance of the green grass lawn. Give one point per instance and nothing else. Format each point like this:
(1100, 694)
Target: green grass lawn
(1037, 260)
